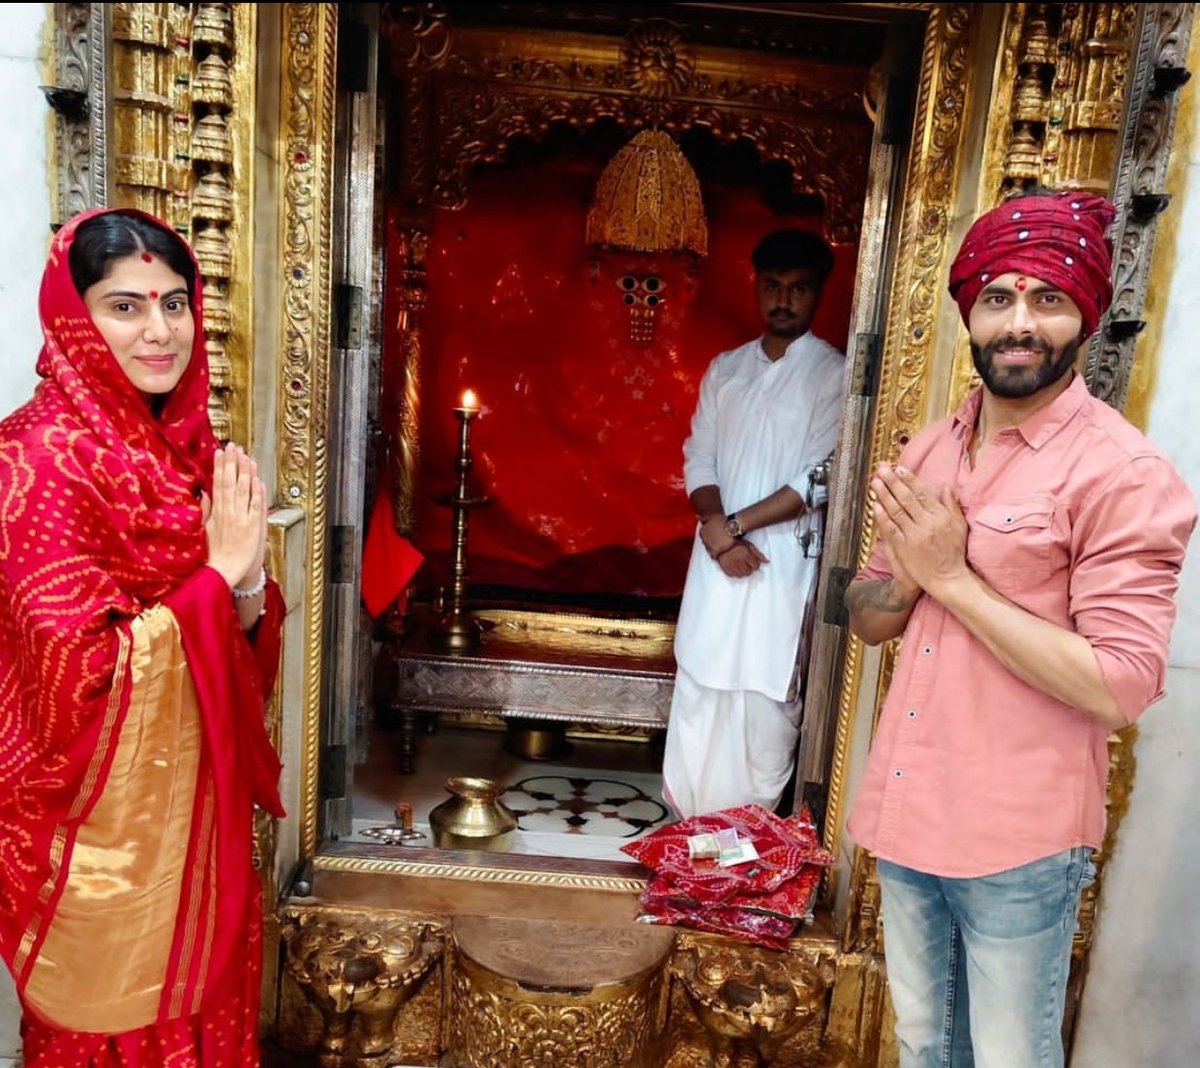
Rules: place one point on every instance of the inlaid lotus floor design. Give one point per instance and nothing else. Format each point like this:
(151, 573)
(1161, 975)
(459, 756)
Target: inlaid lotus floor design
(574, 804)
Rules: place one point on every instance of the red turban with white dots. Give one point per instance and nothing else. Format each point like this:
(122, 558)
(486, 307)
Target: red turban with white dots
(1060, 238)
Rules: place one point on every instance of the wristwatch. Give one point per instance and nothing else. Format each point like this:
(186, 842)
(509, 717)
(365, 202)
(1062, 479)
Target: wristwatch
(733, 526)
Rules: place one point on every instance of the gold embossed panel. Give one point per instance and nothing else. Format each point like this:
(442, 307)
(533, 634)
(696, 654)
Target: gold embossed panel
(526, 992)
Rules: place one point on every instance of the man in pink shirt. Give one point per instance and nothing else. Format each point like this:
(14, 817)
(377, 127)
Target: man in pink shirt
(1028, 550)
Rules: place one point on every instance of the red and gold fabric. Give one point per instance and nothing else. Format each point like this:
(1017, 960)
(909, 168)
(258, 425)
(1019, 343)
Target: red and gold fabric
(1060, 238)
(133, 746)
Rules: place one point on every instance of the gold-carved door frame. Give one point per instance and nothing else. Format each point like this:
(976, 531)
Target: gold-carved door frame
(931, 201)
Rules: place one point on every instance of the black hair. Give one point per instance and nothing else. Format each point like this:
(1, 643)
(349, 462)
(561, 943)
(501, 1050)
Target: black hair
(106, 238)
(1032, 191)
(788, 250)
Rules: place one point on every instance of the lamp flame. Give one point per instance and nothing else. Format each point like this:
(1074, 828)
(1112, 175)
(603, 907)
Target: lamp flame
(469, 400)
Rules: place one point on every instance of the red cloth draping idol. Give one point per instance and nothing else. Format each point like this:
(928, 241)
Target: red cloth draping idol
(1060, 238)
(100, 520)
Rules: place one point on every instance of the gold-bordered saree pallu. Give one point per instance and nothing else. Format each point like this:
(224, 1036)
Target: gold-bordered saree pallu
(151, 912)
(133, 746)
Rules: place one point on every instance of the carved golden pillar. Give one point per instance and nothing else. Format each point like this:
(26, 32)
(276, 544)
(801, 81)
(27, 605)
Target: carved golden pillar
(305, 159)
(858, 1018)
(405, 453)
(1031, 98)
(1059, 99)
(1091, 122)
(150, 46)
(177, 72)
(211, 152)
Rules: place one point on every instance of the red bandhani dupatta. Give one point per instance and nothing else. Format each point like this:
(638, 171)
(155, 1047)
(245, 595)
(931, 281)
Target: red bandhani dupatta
(100, 522)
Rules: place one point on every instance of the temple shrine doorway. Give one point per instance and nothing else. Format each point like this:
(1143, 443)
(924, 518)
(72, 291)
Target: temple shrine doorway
(537, 364)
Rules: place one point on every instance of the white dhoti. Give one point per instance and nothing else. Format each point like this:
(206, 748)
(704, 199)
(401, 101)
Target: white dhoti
(735, 713)
(727, 748)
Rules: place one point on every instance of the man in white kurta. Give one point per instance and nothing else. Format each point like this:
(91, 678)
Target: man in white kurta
(768, 413)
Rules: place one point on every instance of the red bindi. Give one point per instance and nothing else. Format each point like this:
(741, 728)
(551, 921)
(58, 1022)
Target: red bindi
(147, 258)
(153, 294)
(1021, 284)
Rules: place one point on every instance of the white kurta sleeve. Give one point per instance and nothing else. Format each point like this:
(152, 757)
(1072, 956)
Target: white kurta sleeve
(823, 427)
(700, 449)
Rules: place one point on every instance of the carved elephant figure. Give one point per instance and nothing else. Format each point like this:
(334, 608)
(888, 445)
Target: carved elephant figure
(358, 973)
(752, 1002)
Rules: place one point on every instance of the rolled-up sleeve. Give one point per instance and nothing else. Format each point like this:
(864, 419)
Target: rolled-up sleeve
(700, 449)
(1128, 545)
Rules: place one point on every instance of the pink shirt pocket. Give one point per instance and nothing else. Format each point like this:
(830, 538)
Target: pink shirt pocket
(1015, 542)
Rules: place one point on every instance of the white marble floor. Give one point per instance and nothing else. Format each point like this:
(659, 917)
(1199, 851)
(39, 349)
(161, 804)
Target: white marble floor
(585, 804)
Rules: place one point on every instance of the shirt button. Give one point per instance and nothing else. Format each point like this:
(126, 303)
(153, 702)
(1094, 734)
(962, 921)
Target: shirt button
(927, 650)
(911, 713)
(897, 774)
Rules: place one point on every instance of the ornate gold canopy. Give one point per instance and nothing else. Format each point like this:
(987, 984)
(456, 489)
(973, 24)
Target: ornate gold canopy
(648, 200)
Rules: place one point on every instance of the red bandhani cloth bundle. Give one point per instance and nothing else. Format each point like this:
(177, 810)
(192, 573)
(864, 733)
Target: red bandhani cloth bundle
(760, 900)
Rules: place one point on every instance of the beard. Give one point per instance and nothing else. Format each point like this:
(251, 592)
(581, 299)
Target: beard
(1018, 382)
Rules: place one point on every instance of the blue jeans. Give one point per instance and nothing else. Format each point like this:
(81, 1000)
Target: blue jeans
(978, 967)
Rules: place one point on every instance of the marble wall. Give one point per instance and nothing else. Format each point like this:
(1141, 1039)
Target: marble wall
(24, 190)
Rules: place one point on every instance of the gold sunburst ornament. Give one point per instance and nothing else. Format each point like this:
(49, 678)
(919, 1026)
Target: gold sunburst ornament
(654, 61)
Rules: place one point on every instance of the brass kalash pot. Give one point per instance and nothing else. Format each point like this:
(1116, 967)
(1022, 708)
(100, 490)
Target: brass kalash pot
(474, 817)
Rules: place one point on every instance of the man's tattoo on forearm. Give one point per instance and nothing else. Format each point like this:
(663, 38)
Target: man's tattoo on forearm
(880, 594)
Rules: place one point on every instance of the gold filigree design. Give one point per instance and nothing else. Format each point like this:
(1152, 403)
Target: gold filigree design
(917, 289)
(496, 1022)
(475, 873)
(1061, 88)
(576, 632)
(1091, 116)
(827, 155)
(655, 61)
(648, 200)
(864, 933)
(490, 90)
(310, 33)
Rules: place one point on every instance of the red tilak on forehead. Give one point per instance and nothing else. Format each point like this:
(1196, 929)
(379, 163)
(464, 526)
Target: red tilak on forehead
(1021, 284)
(154, 293)
(147, 258)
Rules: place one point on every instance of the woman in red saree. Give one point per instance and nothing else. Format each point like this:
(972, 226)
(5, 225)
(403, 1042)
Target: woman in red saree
(138, 639)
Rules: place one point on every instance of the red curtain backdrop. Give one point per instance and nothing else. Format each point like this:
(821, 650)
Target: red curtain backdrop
(579, 441)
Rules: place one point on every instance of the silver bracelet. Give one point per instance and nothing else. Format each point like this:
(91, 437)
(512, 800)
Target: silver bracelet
(254, 591)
